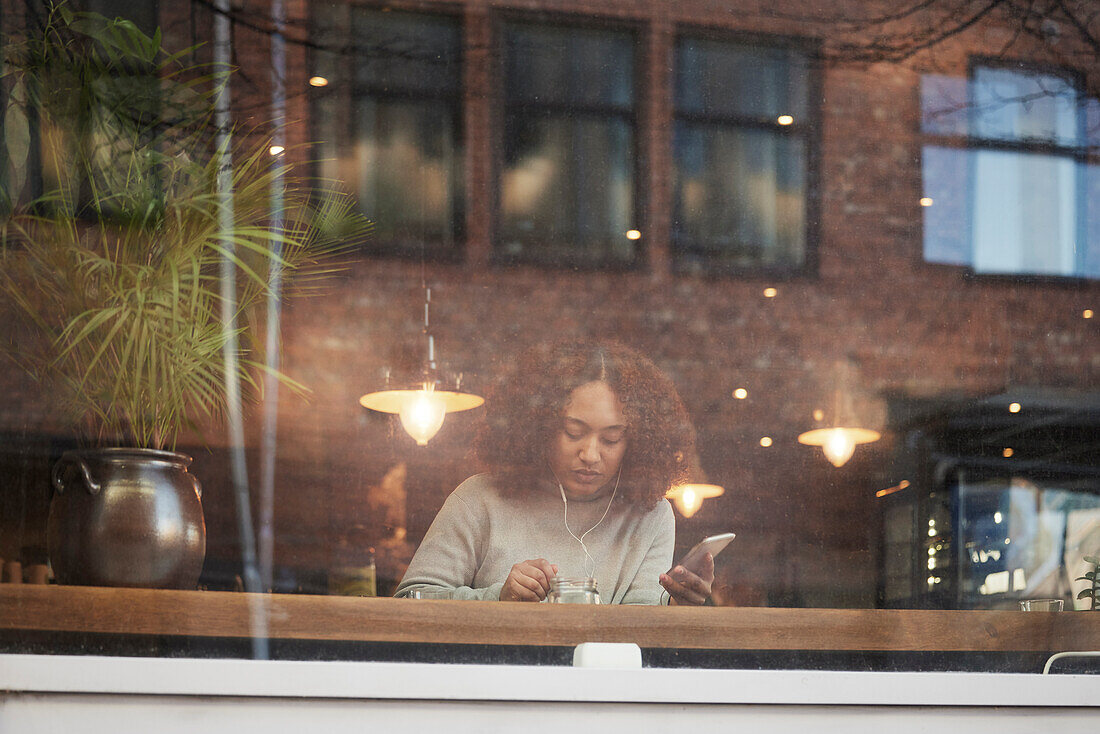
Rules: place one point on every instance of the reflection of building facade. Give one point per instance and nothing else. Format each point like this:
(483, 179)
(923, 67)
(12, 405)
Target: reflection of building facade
(643, 171)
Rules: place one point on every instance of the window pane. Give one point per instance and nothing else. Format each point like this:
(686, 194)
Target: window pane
(1010, 105)
(568, 187)
(387, 121)
(567, 179)
(1016, 535)
(740, 195)
(1007, 212)
(1089, 256)
(725, 79)
(1025, 213)
(946, 220)
(573, 66)
(399, 52)
(143, 13)
(944, 104)
(401, 164)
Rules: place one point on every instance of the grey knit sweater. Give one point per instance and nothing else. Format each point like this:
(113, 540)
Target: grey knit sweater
(480, 532)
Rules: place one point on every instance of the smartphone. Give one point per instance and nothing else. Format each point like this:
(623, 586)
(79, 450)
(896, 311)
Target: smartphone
(713, 545)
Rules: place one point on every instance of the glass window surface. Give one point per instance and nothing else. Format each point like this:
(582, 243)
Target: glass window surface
(1007, 175)
(729, 79)
(740, 156)
(567, 179)
(1021, 539)
(789, 234)
(388, 122)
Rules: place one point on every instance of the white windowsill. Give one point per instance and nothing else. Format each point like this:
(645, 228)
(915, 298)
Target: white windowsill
(447, 682)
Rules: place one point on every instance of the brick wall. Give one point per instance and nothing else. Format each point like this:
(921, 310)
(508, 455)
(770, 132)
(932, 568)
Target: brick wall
(806, 530)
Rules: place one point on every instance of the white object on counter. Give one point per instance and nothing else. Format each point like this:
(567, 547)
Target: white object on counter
(607, 655)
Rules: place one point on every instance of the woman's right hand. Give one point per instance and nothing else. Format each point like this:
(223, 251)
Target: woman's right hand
(528, 581)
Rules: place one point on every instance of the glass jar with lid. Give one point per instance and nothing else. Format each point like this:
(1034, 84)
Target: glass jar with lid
(573, 591)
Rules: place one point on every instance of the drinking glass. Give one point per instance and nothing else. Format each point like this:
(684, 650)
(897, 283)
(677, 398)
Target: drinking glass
(429, 594)
(1042, 605)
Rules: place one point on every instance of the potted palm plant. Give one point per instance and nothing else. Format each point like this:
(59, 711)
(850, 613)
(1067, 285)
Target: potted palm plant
(116, 272)
(1092, 591)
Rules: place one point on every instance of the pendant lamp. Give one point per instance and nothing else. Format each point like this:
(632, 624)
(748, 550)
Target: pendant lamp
(845, 429)
(423, 407)
(688, 498)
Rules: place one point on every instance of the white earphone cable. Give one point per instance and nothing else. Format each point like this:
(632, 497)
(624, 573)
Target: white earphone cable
(588, 559)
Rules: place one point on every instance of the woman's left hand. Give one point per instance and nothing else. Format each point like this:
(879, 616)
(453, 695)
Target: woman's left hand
(688, 587)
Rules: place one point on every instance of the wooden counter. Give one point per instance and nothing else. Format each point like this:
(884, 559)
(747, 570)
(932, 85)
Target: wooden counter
(91, 610)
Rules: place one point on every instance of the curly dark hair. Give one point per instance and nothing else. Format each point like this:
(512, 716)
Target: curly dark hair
(524, 412)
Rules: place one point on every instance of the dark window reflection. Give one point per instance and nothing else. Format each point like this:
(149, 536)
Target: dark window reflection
(387, 120)
(567, 191)
(740, 154)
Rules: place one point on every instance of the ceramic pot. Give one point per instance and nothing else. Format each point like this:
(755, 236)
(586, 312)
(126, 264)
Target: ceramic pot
(126, 517)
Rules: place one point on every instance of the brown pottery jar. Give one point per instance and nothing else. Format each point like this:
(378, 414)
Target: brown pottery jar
(126, 517)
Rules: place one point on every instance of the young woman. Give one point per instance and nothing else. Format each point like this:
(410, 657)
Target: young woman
(582, 441)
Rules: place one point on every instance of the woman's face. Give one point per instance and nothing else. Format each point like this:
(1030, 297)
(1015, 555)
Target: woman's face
(588, 448)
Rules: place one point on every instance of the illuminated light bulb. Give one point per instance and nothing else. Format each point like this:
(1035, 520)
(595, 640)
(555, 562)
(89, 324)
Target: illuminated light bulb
(690, 502)
(931, 563)
(740, 393)
(1087, 313)
(819, 414)
(766, 441)
(997, 517)
(276, 150)
(1007, 453)
(784, 119)
(770, 293)
(838, 447)
(633, 234)
(318, 81)
(1014, 408)
(422, 415)
(926, 201)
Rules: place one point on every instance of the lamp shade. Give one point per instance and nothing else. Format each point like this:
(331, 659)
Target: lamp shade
(688, 498)
(838, 443)
(421, 411)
